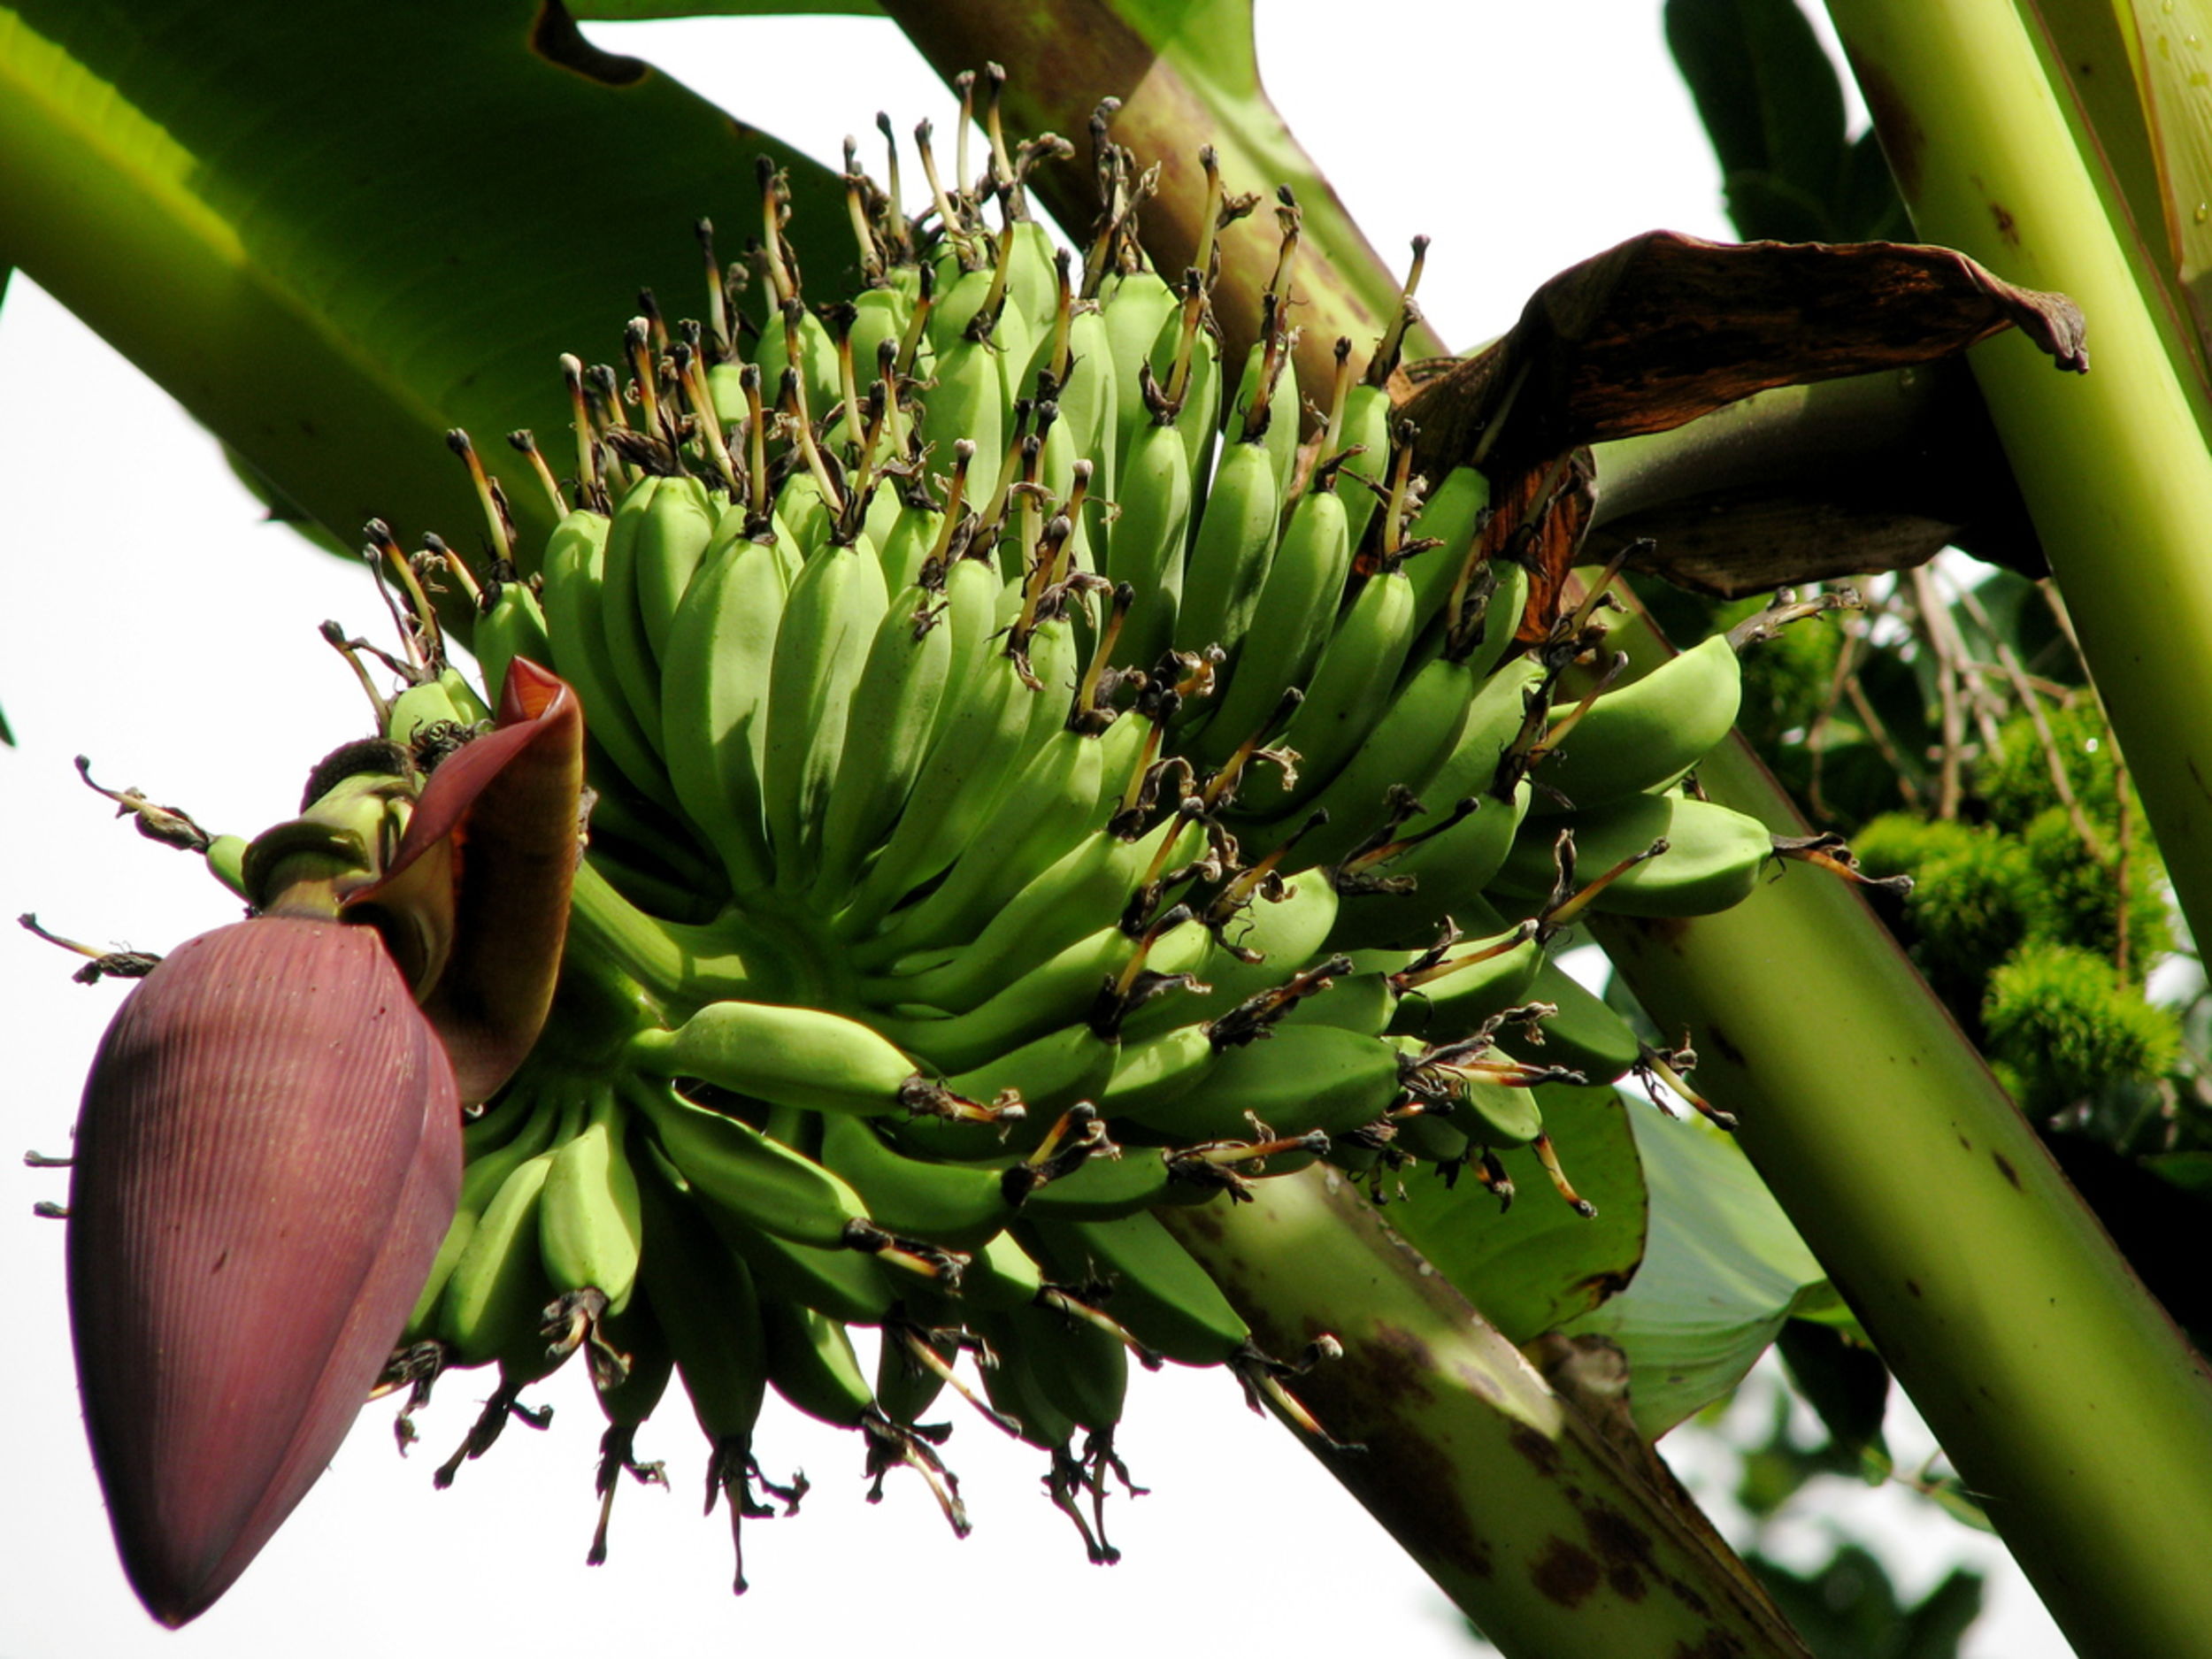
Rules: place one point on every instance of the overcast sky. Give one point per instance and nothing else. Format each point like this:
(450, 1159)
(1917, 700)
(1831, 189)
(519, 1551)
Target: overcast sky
(1543, 134)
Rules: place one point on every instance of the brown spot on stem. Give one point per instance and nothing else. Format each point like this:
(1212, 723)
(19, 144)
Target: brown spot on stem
(1538, 1449)
(1903, 138)
(1624, 1548)
(1398, 1364)
(1395, 1478)
(1728, 1050)
(1912, 1285)
(2008, 232)
(1565, 1573)
(556, 38)
(2005, 1169)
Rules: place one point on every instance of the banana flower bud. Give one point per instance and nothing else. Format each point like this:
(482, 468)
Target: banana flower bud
(268, 1153)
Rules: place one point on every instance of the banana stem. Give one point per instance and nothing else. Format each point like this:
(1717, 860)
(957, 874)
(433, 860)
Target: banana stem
(1894, 465)
(2070, 1403)
(1545, 1534)
(1991, 159)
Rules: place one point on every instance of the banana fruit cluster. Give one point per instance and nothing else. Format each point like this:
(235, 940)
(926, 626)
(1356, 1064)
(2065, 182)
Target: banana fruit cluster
(1023, 801)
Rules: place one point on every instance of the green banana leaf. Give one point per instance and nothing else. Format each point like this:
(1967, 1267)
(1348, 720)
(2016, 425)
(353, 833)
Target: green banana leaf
(1538, 1264)
(1723, 1269)
(1772, 103)
(335, 233)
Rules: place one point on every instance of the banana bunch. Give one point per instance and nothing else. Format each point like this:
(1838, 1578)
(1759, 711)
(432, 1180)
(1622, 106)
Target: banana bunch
(1022, 800)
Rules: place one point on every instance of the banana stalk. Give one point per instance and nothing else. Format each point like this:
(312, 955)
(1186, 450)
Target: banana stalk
(1992, 158)
(1543, 1530)
(2071, 1406)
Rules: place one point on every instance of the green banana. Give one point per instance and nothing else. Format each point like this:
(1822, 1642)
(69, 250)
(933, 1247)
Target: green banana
(1057, 992)
(953, 1205)
(676, 533)
(421, 712)
(881, 312)
(710, 1310)
(1152, 1074)
(1153, 1287)
(836, 604)
(1364, 998)
(1103, 1187)
(715, 679)
(1097, 876)
(733, 1163)
(806, 1057)
(1404, 748)
(575, 575)
(1644, 735)
(1230, 553)
(1089, 400)
(818, 378)
(1299, 1078)
(1082, 1370)
(1267, 382)
(1012, 1387)
(970, 761)
(906, 1384)
(1046, 809)
(591, 1229)
(1047, 1075)
(1294, 615)
(849, 1285)
(629, 651)
(1713, 858)
(708, 1306)
(1193, 342)
(1352, 686)
(1581, 1033)
(969, 399)
(1136, 309)
(494, 1300)
(483, 1176)
(811, 1364)
(891, 714)
(510, 623)
(1145, 540)
(973, 592)
(1259, 943)
(1363, 439)
(1451, 997)
(1451, 867)
(1451, 515)
(1495, 1115)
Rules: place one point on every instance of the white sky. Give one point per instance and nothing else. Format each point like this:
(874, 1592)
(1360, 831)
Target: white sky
(114, 506)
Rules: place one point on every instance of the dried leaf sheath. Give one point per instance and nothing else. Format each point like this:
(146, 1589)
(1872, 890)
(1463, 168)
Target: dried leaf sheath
(268, 1157)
